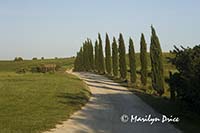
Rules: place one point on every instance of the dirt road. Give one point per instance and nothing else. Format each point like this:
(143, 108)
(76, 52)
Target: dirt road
(103, 113)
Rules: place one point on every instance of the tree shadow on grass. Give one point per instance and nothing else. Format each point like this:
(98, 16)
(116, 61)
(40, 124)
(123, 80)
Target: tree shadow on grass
(74, 98)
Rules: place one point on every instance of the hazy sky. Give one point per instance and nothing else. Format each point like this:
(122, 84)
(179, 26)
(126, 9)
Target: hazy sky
(50, 28)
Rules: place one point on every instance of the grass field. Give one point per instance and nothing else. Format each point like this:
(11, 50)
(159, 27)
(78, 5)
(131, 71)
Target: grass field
(36, 102)
(12, 66)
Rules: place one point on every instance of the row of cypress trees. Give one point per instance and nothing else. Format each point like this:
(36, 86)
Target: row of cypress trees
(114, 64)
(85, 59)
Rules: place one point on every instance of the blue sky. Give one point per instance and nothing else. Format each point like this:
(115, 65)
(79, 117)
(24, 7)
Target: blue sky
(57, 28)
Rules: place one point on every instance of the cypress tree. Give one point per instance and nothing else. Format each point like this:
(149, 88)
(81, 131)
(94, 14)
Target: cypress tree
(96, 56)
(108, 55)
(143, 60)
(78, 63)
(115, 57)
(85, 59)
(122, 58)
(156, 63)
(91, 55)
(101, 57)
(81, 66)
(132, 61)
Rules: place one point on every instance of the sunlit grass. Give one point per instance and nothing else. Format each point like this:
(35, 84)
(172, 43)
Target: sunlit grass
(37, 102)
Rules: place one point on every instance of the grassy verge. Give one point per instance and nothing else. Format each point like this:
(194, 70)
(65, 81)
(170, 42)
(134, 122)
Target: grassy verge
(33, 103)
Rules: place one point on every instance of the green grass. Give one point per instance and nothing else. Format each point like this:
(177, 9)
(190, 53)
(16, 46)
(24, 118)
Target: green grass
(32, 103)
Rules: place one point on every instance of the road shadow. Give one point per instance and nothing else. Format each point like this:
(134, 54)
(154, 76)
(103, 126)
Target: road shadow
(103, 86)
(102, 82)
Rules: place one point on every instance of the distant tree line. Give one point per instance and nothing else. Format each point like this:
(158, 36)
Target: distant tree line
(34, 58)
(114, 63)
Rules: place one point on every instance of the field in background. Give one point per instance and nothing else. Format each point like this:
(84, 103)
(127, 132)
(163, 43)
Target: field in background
(34, 102)
(12, 66)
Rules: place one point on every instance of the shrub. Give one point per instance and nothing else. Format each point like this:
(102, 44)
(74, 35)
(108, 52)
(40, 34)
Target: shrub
(185, 82)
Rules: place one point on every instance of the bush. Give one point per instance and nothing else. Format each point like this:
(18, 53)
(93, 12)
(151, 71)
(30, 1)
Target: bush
(35, 69)
(21, 70)
(186, 82)
(42, 58)
(57, 67)
(18, 59)
(34, 58)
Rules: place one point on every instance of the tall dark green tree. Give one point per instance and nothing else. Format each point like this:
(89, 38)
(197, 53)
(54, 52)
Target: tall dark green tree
(81, 59)
(115, 59)
(96, 56)
(91, 55)
(143, 60)
(122, 58)
(85, 56)
(78, 63)
(156, 63)
(108, 55)
(101, 56)
(132, 61)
